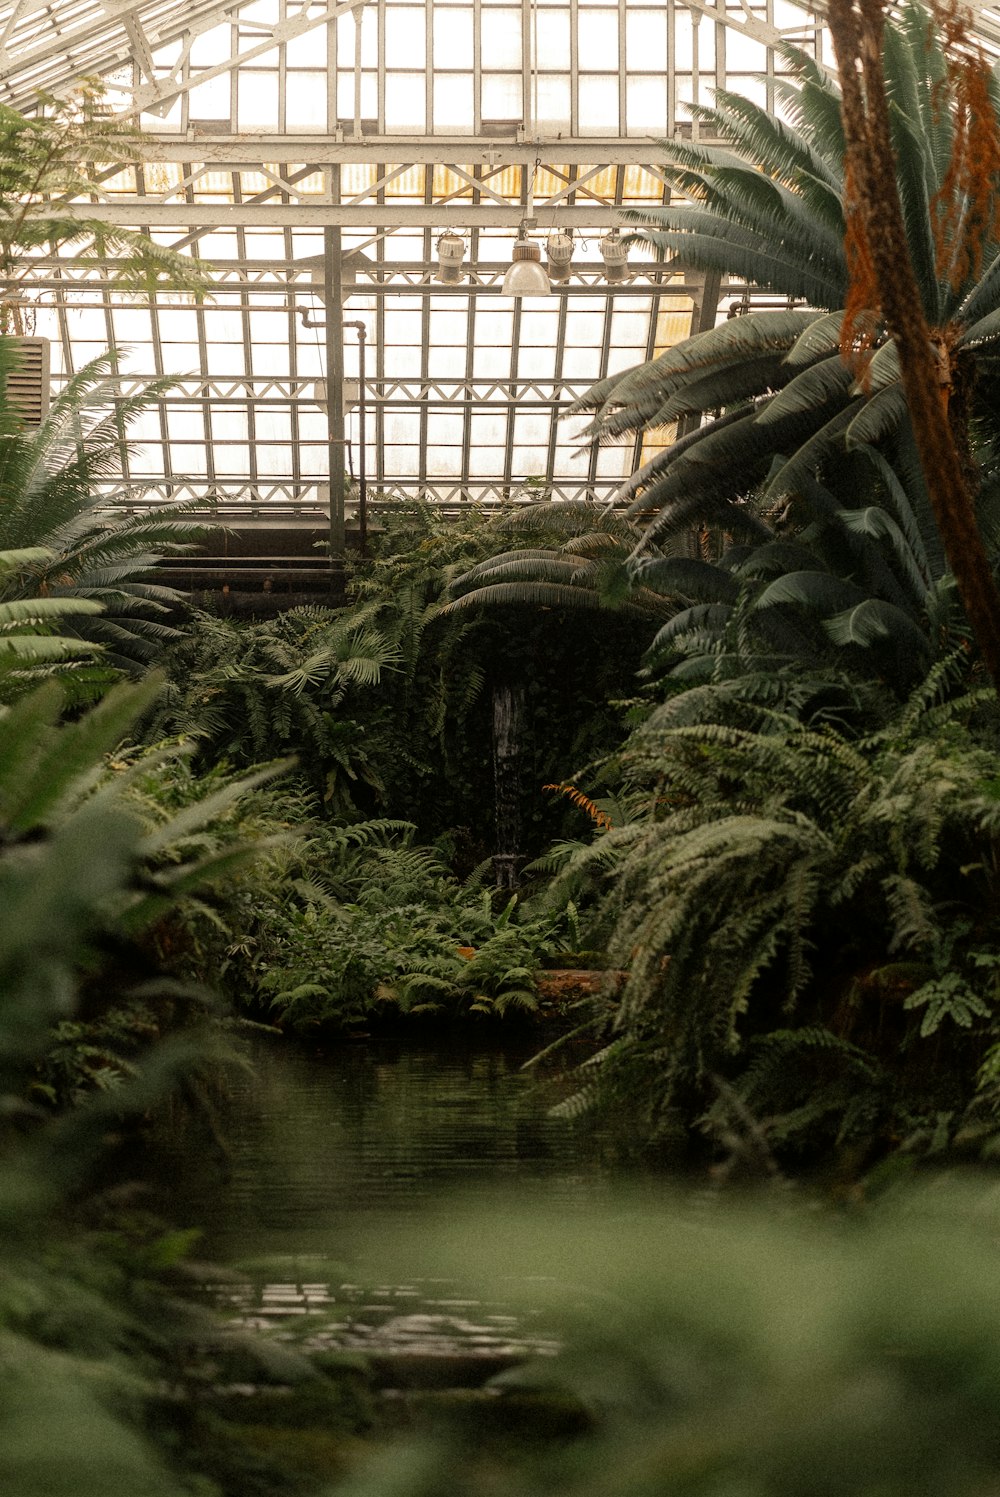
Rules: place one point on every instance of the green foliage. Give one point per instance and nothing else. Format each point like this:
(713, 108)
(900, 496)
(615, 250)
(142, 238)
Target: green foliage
(364, 924)
(788, 877)
(55, 155)
(388, 701)
(30, 646)
(251, 692)
(712, 1350)
(70, 551)
(771, 212)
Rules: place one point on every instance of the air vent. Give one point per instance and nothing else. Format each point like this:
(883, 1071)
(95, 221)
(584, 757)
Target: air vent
(28, 383)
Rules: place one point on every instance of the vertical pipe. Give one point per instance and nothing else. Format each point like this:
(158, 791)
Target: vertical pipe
(332, 296)
(362, 476)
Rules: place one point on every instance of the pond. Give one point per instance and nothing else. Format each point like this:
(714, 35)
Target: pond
(330, 1153)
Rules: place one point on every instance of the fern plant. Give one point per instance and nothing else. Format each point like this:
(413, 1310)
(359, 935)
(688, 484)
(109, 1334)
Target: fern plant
(778, 872)
(252, 692)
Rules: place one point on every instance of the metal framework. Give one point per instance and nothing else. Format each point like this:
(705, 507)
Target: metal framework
(272, 122)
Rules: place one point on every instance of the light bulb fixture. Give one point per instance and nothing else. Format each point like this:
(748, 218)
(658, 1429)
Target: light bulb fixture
(615, 258)
(526, 275)
(559, 251)
(451, 253)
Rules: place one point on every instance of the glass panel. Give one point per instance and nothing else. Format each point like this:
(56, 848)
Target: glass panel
(453, 37)
(441, 363)
(190, 460)
(231, 460)
(307, 50)
(224, 359)
(501, 97)
(270, 359)
(444, 428)
(229, 425)
(486, 462)
(400, 462)
(494, 325)
(257, 95)
(754, 89)
(401, 426)
(646, 106)
(306, 101)
(211, 47)
(401, 327)
(528, 462)
(553, 41)
(178, 358)
(445, 462)
(403, 363)
(582, 363)
(405, 104)
(584, 327)
(454, 103)
(531, 427)
(501, 39)
(268, 327)
(491, 363)
(273, 462)
(448, 327)
(273, 425)
(646, 41)
(186, 425)
(743, 54)
(597, 39)
(225, 324)
(211, 100)
(539, 327)
(314, 461)
(614, 462)
(599, 105)
(629, 329)
(553, 102)
(405, 36)
(536, 363)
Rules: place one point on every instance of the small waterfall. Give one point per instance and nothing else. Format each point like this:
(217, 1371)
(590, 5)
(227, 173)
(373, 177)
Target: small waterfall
(508, 734)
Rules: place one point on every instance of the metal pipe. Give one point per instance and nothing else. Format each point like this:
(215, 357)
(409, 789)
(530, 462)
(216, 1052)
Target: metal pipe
(332, 295)
(362, 333)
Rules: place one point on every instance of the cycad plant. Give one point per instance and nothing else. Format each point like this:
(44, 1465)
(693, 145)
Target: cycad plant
(30, 645)
(784, 408)
(771, 211)
(49, 502)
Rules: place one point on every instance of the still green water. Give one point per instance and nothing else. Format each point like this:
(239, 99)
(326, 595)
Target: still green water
(329, 1151)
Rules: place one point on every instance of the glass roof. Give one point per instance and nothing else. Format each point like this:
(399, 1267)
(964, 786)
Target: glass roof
(391, 122)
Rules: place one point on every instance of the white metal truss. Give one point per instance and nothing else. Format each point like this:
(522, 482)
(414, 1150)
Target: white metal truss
(271, 121)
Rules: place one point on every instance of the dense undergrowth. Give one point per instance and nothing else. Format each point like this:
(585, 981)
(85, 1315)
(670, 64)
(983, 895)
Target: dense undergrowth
(760, 780)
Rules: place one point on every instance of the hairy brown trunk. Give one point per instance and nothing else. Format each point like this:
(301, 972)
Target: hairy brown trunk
(857, 31)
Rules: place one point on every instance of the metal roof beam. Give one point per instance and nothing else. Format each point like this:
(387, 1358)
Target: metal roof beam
(165, 90)
(246, 152)
(138, 212)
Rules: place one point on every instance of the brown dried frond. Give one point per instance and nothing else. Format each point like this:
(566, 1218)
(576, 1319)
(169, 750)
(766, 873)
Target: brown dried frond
(963, 210)
(860, 324)
(600, 818)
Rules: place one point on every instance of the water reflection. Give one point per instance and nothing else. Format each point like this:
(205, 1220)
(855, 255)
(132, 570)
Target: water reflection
(328, 1150)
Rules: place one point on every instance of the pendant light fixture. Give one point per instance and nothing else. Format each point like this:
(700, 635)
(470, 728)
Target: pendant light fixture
(615, 257)
(526, 274)
(451, 253)
(559, 252)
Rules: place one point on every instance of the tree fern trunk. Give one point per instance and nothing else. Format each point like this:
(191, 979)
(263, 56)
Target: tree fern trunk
(508, 738)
